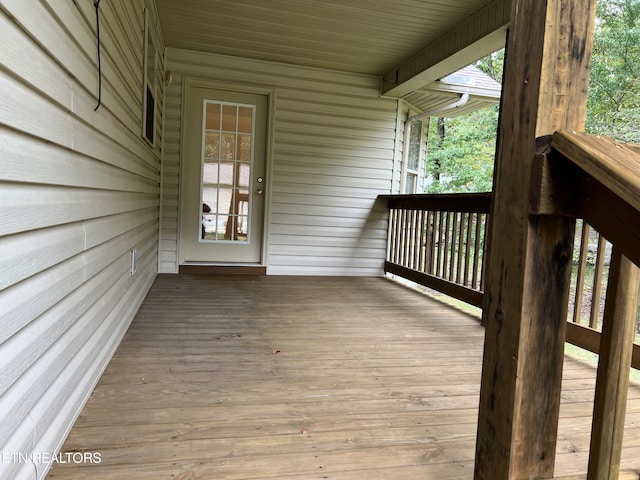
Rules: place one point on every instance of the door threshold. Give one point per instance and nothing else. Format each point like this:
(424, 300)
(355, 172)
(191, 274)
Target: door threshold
(199, 269)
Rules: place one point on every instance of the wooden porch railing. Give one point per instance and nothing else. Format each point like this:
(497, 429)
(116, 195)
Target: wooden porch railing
(589, 285)
(598, 180)
(602, 187)
(439, 240)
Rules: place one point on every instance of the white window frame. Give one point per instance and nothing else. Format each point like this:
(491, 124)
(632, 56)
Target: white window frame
(149, 85)
(406, 171)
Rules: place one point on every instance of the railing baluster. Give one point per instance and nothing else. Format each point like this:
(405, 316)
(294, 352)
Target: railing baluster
(408, 238)
(398, 251)
(410, 224)
(580, 276)
(476, 257)
(431, 235)
(403, 236)
(439, 243)
(597, 283)
(616, 350)
(417, 255)
(446, 248)
(483, 247)
(469, 252)
(422, 241)
(414, 239)
(461, 248)
(453, 248)
(393, 236)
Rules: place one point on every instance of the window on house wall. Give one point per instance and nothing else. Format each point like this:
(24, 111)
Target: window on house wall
(149, 95)
(412, 164)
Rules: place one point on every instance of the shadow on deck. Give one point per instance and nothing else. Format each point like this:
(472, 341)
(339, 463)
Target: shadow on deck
(236, 377)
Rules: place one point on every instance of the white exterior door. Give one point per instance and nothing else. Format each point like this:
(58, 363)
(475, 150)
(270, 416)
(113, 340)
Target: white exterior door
(223, 177)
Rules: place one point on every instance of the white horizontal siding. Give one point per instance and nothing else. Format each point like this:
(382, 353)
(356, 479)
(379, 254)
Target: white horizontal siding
(333, 154)
(78, 190)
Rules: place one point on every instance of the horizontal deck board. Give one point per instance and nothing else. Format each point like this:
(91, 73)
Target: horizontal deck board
(248, 377)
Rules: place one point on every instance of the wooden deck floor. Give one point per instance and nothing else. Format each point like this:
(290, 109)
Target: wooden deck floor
(302, 378)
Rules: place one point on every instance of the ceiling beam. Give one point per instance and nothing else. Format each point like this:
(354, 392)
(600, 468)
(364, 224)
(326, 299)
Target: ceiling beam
(475, 37)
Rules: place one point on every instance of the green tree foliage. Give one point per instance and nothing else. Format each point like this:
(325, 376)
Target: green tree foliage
(614, 91)
(492, 65)
(461, 159)
(461, 150)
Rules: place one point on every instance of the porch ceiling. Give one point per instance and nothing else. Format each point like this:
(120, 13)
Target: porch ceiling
(376, 37)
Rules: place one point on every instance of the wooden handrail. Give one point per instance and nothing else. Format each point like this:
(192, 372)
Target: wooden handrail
(442, 202)
(592, 177)
(614, 164)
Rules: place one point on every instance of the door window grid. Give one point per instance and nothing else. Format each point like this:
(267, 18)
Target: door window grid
(227, 154)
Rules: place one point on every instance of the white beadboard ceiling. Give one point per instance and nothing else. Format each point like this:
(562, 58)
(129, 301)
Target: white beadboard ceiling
(360, 36)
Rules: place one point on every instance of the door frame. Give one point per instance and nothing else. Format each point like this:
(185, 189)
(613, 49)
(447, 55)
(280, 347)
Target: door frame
(195, 82)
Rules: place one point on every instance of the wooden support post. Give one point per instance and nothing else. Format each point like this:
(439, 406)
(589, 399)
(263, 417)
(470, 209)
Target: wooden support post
(528, 269)
(616, 347)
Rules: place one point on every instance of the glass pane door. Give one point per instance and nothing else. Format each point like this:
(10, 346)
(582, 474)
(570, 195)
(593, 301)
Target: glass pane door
(227, 159)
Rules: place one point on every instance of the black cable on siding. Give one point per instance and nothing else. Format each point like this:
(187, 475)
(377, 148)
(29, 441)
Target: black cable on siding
(96, 4)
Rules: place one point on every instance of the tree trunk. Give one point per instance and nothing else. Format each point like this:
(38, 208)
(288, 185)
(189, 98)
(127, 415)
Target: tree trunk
(436, 161)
